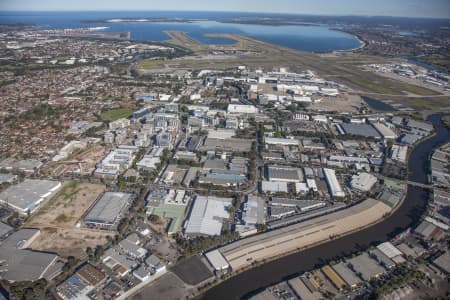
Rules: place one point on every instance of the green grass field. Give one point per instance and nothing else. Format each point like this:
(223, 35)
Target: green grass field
(424, 104)
(115, 114)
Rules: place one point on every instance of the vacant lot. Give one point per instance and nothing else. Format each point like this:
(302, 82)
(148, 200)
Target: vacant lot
(115, 114)
(192, 270)
(58, 220)
(167, 287)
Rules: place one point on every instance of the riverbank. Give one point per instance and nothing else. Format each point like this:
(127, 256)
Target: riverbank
(407, 215)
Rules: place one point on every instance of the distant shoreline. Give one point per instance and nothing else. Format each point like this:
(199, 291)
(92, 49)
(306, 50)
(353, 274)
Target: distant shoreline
(139, 20)
(362, 43)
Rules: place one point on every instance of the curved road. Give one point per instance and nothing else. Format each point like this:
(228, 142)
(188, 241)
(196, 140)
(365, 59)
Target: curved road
(408, 214)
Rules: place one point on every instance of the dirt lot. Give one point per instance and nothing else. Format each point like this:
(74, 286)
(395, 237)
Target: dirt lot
(192, 270)
(58, 220)
(342, 103)
(167, 287)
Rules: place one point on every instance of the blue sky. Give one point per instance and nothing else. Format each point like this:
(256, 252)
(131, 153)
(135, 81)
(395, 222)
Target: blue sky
(409, 8)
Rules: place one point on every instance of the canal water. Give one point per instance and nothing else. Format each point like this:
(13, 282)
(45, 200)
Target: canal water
(408, 214)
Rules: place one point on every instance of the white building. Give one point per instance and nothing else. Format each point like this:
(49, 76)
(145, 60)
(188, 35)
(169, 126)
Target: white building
(399, 153)
(363, 182)
(385, 131)
(333, 183)
(217, 261)
(281, 141)
(274, 187)
(207, 214)
(242, 109)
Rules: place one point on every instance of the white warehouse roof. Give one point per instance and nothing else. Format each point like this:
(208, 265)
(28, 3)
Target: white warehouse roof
(281, 141)
(333, 183)
(217, 260)
(245, 109)
(274, 186)
(207, 214)
(363, 182)
(389, 249)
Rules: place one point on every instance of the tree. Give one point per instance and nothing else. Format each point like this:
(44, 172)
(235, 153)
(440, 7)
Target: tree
(154, 219)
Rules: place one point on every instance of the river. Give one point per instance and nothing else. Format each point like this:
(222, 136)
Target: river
(408, 214)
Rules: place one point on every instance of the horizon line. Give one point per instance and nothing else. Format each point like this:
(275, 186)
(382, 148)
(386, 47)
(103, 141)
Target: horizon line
(235, 12)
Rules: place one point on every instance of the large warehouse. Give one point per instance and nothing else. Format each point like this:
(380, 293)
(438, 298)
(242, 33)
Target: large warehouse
(284, 174)
(362, 129)
(26, 196)
(207, 214)
(333, 183)
(295, 237)
(18, 263)
(108, 210)
(242, 109)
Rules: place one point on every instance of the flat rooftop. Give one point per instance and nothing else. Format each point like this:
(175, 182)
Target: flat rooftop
(349, 277)
(366, 266)
(365, 130)
(28, 194)
(108, 208)
(207, 214)
(23, 264)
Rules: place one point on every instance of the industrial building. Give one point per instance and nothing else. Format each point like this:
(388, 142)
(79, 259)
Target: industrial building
(221, 134)
(253, 211)
(17, 263)
(304, 289)
(443, 262)
(398, 153)
(348, 159)
(389, 250)
(333, 183)
(281, 141)
(26, 196)
(363, 182)
(108, 210)
(274, 187)
(367, 267)
(382, 259)
(301, 235)
(337, 281)
(420, 125)
(362, 129)
(242, 109)
(284, 174)
(385, 131)
(347, 275)
(207, 214)
(217, 261)
(226, 145)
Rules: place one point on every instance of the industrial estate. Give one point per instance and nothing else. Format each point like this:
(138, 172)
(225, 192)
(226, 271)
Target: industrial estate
(139, 170)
